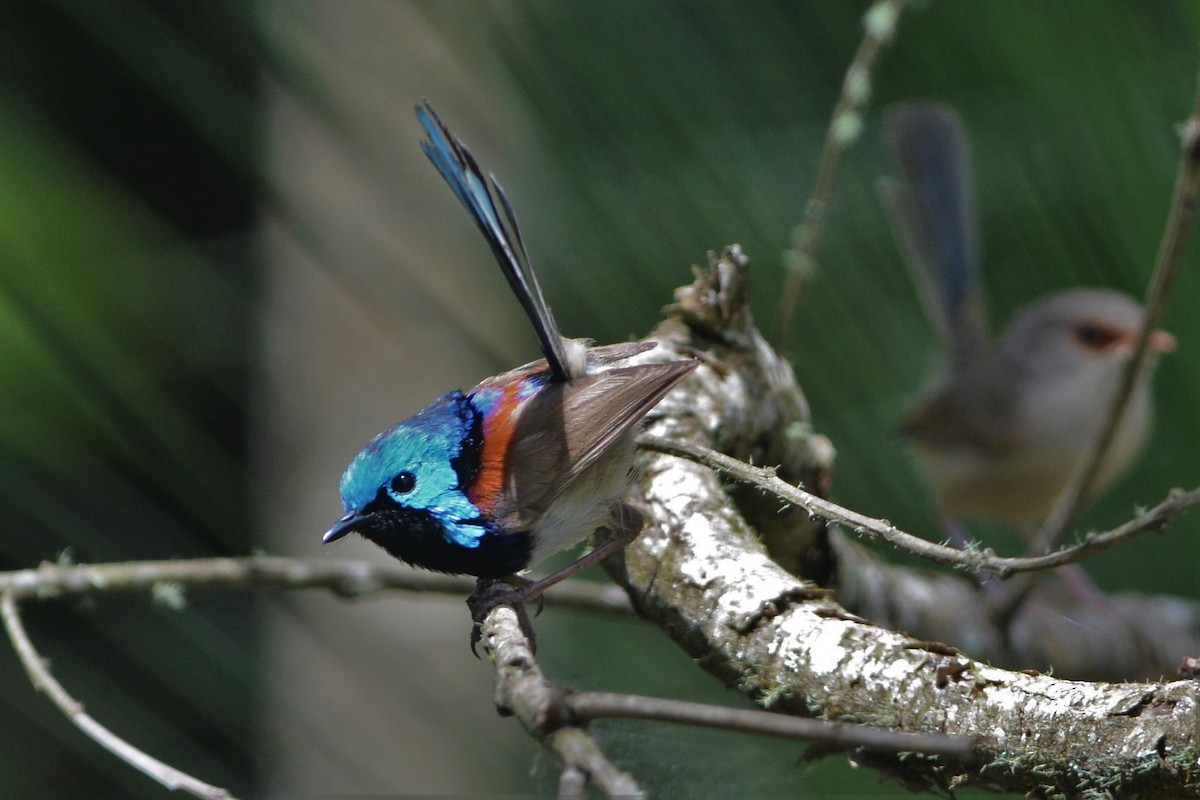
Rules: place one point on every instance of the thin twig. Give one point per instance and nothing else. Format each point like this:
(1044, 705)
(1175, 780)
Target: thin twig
(973, 560)
(1162, 281)
(524, 692)
(600, 705)
(43, 681)
(346, 578)
(845, 125)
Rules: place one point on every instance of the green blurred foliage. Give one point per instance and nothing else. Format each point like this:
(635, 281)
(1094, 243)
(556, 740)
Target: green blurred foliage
(126, 284)
(656, 131)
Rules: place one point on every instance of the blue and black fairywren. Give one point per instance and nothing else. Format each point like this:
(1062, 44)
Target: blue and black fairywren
(490, 481)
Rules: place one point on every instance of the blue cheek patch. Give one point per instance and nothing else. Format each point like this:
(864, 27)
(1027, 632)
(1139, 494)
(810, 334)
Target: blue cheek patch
(424, 445)
(437, 492)
(468, 536)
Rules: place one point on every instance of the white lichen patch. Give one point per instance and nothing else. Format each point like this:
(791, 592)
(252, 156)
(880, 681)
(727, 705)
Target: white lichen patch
(884, 675)
(1042, 695)
(810, 644)
(674, 489)
(826, 651)
(703, 564)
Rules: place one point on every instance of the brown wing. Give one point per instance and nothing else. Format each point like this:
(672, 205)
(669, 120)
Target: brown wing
(967, 411)
(569, 426)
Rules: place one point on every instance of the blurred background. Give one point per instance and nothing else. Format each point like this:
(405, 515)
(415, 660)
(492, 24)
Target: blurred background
(224, 265)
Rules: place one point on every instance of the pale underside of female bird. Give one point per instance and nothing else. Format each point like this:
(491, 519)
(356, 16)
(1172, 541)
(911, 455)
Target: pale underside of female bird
(1002, 428)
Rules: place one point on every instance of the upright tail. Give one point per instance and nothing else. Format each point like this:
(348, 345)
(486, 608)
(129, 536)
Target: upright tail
(479, 195)
(932, 208)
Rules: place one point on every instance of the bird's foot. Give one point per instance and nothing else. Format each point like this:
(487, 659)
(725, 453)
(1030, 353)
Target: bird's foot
(490, 593)
(624, 525)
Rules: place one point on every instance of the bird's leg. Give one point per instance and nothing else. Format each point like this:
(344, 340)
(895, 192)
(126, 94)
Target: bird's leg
(1083, 592)
(625, 523)
(1004, 602)
(1074, 576)
(954, 530)
(1080, 584)
(488, 594)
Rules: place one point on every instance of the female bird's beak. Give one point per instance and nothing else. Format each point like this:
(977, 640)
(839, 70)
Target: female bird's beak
(1161, 342)
(340, 528)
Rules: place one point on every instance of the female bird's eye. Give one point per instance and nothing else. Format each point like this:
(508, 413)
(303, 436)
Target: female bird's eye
(404, 482)
(1095, 337)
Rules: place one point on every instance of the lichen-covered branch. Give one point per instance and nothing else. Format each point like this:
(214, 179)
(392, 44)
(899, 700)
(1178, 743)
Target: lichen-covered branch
(525, 693)
(557, 718)
(703, 575)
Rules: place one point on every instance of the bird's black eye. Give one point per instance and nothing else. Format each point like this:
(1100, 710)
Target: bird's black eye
(1095, 337)
(404, 482)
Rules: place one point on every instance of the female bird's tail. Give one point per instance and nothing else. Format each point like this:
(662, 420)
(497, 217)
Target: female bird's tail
(932, 209)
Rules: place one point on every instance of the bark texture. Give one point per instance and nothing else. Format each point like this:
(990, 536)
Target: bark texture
(702, 572)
